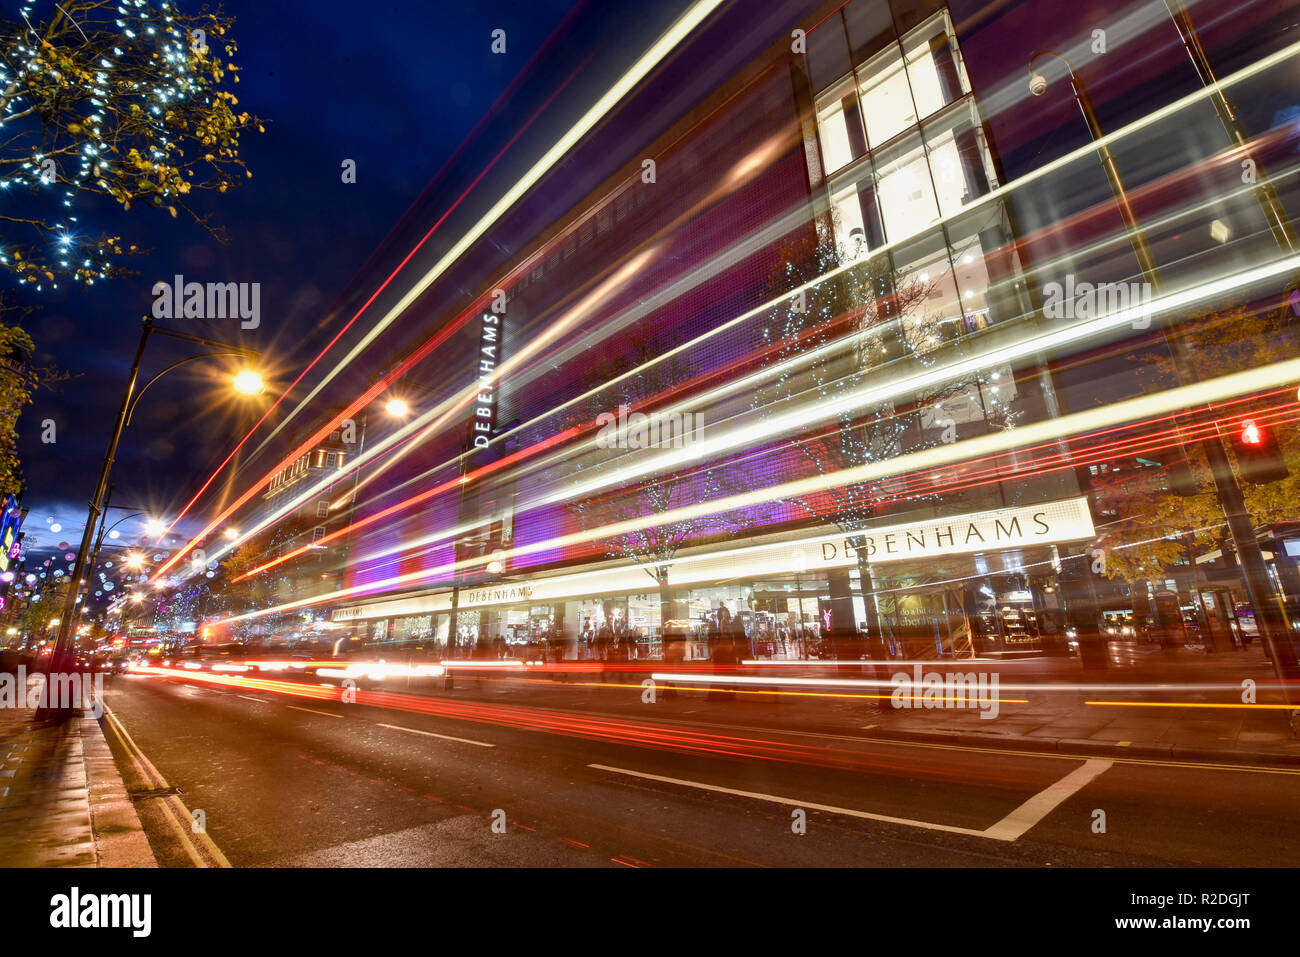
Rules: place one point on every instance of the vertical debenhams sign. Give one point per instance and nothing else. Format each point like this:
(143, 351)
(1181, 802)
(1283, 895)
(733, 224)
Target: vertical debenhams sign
(489, 354)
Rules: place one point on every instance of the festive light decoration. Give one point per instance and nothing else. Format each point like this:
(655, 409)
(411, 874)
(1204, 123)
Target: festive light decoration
(129, 103)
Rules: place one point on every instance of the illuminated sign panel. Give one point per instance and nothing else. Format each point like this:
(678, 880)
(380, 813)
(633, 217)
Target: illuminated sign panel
(1045, 523)
(11, 521)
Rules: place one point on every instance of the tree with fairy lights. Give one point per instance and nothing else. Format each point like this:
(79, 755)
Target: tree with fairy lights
(20, 377)
(843, 318)
(125, 100)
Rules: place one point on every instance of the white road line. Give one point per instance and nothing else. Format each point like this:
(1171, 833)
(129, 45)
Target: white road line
(445, 737)
(248, 697)
(1009, 829)
(1029, 814)
(171, 806)
(792, 802)
(310, 711)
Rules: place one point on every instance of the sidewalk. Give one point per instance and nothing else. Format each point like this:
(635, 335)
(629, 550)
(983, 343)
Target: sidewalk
(1179, 705)
(62, 801)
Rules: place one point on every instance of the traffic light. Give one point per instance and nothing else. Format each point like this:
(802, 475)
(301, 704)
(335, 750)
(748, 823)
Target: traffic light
(1258, 457)
(1182, 480)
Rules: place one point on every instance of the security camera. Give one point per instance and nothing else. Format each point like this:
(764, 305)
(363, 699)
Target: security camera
(1037, 84)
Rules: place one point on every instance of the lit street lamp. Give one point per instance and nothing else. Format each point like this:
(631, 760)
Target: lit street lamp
(130, 399)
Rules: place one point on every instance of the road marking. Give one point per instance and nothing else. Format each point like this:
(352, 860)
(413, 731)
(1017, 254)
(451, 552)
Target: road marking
(1009, 829)
(171, 806)
(325, 714)
(792, 802)
(249, 697)
(445, 737)
(1029, 814)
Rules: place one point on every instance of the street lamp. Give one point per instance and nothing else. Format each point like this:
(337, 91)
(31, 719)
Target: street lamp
(397, 408)
(1273, 627)
(130, 399)
(248, 382)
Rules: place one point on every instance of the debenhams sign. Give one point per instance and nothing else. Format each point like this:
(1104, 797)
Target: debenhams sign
(1063, 521)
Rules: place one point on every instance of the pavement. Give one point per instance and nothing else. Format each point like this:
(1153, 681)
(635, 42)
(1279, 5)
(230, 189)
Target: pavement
(62, 801)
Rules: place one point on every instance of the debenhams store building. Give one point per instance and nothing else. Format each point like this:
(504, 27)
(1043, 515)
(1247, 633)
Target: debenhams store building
(996, 581)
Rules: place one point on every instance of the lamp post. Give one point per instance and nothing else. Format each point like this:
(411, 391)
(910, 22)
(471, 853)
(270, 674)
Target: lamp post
(99, 539)
(452, 629)
(1273, 628)
(800, 566)
(130, 398)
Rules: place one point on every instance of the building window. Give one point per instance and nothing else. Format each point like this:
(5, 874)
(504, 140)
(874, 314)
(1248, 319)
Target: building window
(828, 53)
(839, 126)
(959, 159)
(317, 533)
(934, 67)
(857, 217)
(330, 459)
(886, 98)
(323, 508)
(907, 200)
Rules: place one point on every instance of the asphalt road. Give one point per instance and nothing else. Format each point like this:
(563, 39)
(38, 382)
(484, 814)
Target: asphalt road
(552, 774)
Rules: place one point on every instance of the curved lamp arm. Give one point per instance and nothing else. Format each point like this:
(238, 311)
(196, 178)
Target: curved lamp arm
(1059, 56)
(104, 532)
(180, 362)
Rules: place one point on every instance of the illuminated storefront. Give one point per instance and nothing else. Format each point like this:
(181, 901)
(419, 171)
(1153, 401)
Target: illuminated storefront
(978, 582)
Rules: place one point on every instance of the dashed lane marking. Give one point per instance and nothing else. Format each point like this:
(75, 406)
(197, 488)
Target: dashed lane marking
(432, 734)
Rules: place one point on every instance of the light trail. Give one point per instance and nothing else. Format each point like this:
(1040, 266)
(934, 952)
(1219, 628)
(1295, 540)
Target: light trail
(751, 433)
(638, 733)
(1187, 396)
(357, 315)
(643, 65)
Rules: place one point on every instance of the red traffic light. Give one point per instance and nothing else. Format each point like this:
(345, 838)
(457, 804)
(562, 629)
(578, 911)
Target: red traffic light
(1259, 458)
